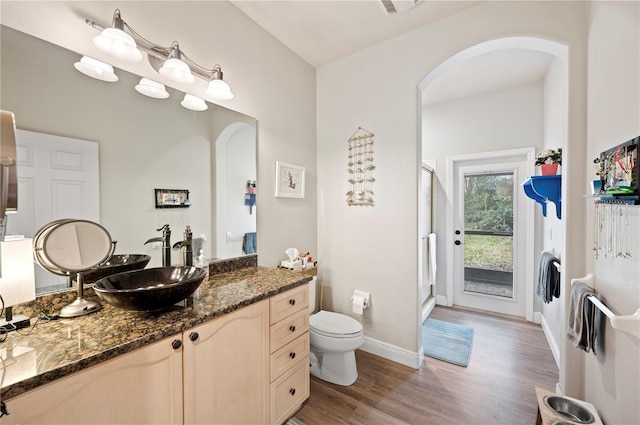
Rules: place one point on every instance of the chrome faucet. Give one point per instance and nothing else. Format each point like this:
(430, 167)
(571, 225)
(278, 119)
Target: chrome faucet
(186, 243)
(166, 244)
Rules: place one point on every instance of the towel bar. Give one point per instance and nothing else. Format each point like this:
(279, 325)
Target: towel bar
(629, 323)
(553, 252)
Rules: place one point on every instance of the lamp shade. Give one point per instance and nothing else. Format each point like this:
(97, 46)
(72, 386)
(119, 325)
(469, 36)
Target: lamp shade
(119, 44)
(177, 70)
(17, 274)
(194, 103)
(152, 89)
(220, 90)
(96, 69)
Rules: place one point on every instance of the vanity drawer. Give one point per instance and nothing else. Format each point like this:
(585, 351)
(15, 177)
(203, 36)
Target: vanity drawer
(287, 303)
(289, 392)
(289, 355)
(289, 329)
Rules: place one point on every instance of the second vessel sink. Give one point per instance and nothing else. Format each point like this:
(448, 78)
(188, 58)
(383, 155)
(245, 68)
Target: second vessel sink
(117, 263)
(149, 289)
(569, 409)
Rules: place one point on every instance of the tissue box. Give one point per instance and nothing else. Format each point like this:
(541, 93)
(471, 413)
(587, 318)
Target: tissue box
(292, 265)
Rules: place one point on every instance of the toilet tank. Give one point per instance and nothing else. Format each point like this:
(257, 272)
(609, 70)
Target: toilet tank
(312, 294)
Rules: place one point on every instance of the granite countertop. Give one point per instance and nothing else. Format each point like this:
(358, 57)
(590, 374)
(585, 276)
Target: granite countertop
(50, 350)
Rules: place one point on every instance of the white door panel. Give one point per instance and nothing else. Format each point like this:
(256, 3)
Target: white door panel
(484, 296)
(58, 177)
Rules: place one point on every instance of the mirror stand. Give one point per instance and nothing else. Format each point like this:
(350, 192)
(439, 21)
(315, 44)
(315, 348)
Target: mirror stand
(80, 306)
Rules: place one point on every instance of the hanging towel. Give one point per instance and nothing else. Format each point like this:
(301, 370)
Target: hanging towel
(249, 243)
(548, 278)
(582, 327)
(432, 258)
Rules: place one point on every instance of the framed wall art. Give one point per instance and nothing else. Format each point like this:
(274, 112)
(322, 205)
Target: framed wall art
(172, 198)
(289, 180)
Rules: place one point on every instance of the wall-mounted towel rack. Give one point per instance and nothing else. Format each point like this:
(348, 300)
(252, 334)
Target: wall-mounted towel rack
(629, 324)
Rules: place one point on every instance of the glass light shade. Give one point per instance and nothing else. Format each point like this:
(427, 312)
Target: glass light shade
(17, 283)
(152, 89)
(118, 44)
(177, 70)
(96, 69)
(194, 103)
(220, 90)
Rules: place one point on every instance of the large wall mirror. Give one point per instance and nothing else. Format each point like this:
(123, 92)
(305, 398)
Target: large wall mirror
(143, 144)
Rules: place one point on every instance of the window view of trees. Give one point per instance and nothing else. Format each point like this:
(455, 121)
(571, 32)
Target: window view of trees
(488, 203)
(488, 221)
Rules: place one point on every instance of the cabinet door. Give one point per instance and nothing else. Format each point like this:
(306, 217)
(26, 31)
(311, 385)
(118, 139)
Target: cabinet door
(226, 369)
(141, 387)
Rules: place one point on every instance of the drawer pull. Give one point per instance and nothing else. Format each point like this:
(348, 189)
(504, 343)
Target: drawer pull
(292, 328)
(292, 355)
(292, 391)
(292, 302)
(176, 344)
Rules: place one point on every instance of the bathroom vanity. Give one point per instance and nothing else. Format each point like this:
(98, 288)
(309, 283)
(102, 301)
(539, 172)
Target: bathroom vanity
(235, 352)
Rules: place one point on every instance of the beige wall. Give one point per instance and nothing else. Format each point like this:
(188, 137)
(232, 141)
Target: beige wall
(612, 378)
(375, 249)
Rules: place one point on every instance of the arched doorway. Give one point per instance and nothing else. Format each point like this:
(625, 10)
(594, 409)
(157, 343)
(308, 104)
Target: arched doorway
(235, 159)
(498, 64)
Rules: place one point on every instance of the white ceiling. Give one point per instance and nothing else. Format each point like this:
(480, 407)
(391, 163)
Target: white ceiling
(322, 31)
(488, 72)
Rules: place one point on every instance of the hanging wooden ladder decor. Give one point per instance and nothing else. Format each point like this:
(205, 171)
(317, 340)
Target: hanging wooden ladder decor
(360, 168)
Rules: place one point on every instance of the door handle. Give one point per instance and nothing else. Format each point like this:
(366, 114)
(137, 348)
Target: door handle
(458, 242)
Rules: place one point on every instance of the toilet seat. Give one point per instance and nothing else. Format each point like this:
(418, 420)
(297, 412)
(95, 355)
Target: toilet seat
(334, 325)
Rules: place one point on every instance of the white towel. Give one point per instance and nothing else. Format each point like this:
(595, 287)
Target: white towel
(432, 259)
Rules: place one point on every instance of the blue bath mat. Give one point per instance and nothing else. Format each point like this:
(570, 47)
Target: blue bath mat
(447, 341)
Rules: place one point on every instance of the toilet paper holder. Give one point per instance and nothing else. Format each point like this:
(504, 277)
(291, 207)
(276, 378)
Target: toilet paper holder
(365, 295)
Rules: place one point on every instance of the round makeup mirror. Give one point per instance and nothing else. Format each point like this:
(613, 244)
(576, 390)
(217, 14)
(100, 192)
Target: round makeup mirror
(67, 246)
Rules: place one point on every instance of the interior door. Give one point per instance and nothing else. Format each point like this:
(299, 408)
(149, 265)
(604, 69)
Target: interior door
(490, 235)
(58, 177)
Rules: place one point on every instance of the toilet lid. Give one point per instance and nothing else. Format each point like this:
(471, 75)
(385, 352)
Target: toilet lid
(329, 323)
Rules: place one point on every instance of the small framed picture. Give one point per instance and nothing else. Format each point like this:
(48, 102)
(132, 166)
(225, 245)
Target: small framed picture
(172, 198)
(289, 180)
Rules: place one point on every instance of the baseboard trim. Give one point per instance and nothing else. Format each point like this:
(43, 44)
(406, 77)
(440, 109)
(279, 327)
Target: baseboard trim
(537, 317)
(442, 300)
(550, 340)
(427, 308)
(392, 352)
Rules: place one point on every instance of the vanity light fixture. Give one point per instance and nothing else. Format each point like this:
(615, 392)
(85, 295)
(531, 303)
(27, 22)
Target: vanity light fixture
(175, 69)
(121, 41)
(218, 88)
(116, 42)
(151, 88)
(96, 69)
(194, 103)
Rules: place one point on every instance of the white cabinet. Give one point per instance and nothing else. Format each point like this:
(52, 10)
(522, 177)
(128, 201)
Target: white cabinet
(250, 366)
(226, 369)
(289, 347)
(141, 387)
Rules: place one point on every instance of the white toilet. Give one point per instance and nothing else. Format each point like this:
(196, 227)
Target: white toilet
(334, 338)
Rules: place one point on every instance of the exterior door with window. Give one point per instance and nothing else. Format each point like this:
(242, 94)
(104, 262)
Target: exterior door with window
(490, 236)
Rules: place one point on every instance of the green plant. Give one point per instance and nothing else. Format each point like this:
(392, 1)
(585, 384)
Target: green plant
(549, 156)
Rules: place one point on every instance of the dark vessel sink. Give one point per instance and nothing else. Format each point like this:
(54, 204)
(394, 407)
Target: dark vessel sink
(117, 264)
(569, 409)
(149, 289)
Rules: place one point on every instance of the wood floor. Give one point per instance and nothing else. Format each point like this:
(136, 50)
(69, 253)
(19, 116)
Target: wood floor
(510, 357)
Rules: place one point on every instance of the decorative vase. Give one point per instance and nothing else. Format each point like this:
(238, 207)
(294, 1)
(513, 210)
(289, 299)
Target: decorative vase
(549, 169)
